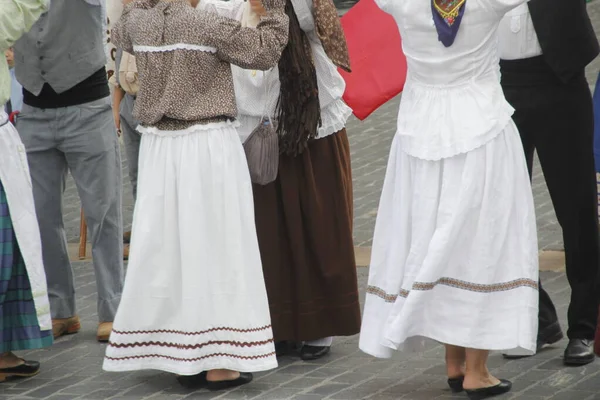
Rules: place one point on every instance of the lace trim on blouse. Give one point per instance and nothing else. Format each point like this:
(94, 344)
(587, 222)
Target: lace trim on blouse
(173, 47)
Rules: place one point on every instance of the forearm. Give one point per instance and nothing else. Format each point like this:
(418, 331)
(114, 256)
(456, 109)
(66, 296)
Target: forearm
(118, 95)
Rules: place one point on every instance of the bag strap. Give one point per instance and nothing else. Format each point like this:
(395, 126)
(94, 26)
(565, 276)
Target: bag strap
(267, 111)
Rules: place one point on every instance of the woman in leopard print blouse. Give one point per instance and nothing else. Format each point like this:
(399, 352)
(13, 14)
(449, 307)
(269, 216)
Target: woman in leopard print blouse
(194, 297)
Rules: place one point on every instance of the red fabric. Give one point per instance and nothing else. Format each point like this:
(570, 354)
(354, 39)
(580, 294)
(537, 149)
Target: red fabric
(376, 57)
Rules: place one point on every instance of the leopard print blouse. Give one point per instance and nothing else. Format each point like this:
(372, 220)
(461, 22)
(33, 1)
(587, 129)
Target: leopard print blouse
(183, 57)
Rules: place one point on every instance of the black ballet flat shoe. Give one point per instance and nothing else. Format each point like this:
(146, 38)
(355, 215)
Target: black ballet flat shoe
(309, 353)
(243, 379)
(456, 384)
(25, 370)
(193, 381)
(479, 394)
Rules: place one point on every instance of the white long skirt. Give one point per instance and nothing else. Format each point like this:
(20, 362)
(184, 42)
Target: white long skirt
(455, 256)
(194, 296)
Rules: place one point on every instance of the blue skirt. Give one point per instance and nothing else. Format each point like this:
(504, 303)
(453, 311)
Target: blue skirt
(19, 326)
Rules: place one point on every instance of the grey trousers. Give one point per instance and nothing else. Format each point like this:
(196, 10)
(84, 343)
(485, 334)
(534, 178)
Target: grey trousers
(81, 139)
(132, 139)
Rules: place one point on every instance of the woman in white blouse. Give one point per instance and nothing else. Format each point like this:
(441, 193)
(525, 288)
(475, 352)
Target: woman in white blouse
(454, 255)
(304, 218)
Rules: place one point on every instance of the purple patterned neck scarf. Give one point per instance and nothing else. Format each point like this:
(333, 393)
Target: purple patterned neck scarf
(447, 15)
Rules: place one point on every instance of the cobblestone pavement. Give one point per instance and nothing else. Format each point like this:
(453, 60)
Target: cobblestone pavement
(72, 367)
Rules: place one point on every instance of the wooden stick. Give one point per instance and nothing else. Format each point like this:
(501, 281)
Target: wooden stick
(82, 236)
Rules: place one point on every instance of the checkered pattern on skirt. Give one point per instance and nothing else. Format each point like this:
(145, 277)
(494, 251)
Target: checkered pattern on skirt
(19, 327)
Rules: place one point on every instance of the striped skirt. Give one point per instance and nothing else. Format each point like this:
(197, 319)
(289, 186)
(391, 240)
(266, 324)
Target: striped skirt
(19, 327)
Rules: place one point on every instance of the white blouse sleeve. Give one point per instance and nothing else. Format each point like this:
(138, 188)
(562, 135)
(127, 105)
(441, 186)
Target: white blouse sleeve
(304, 12)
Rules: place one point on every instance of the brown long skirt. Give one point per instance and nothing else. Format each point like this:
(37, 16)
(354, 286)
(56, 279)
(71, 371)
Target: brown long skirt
(304, 225)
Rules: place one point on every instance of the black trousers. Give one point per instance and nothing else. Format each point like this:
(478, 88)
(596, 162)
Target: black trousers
(557, 120)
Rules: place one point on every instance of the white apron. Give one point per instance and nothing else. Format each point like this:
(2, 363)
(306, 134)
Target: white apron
(194, 296)
(14, 174)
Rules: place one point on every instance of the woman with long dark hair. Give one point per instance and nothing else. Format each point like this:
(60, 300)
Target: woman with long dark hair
(304, 217)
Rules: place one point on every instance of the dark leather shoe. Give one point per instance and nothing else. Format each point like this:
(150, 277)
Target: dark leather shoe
(479, 394)
(579, 352)
(193, 381)
(309, 353)
(25, 370)
(244, 378)
(546, 337)
(456, 384)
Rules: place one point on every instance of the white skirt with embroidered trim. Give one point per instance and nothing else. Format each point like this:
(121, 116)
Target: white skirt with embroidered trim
(194, 296)
(455, 256)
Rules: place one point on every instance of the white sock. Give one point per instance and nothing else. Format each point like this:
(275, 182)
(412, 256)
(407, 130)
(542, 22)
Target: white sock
(324, 342)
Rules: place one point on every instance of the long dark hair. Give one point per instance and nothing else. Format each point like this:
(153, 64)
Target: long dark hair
(298, 110)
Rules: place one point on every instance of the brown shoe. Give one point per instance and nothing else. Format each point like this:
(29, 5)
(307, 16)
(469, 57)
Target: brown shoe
(127, 237)
(126, 252)
(104, 331)
(65, 326)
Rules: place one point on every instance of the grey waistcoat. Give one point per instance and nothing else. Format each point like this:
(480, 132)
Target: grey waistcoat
(63, 48)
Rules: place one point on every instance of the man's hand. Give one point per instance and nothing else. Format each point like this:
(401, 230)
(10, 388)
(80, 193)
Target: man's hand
(257, 7)
(125, 2)
(10, 57)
